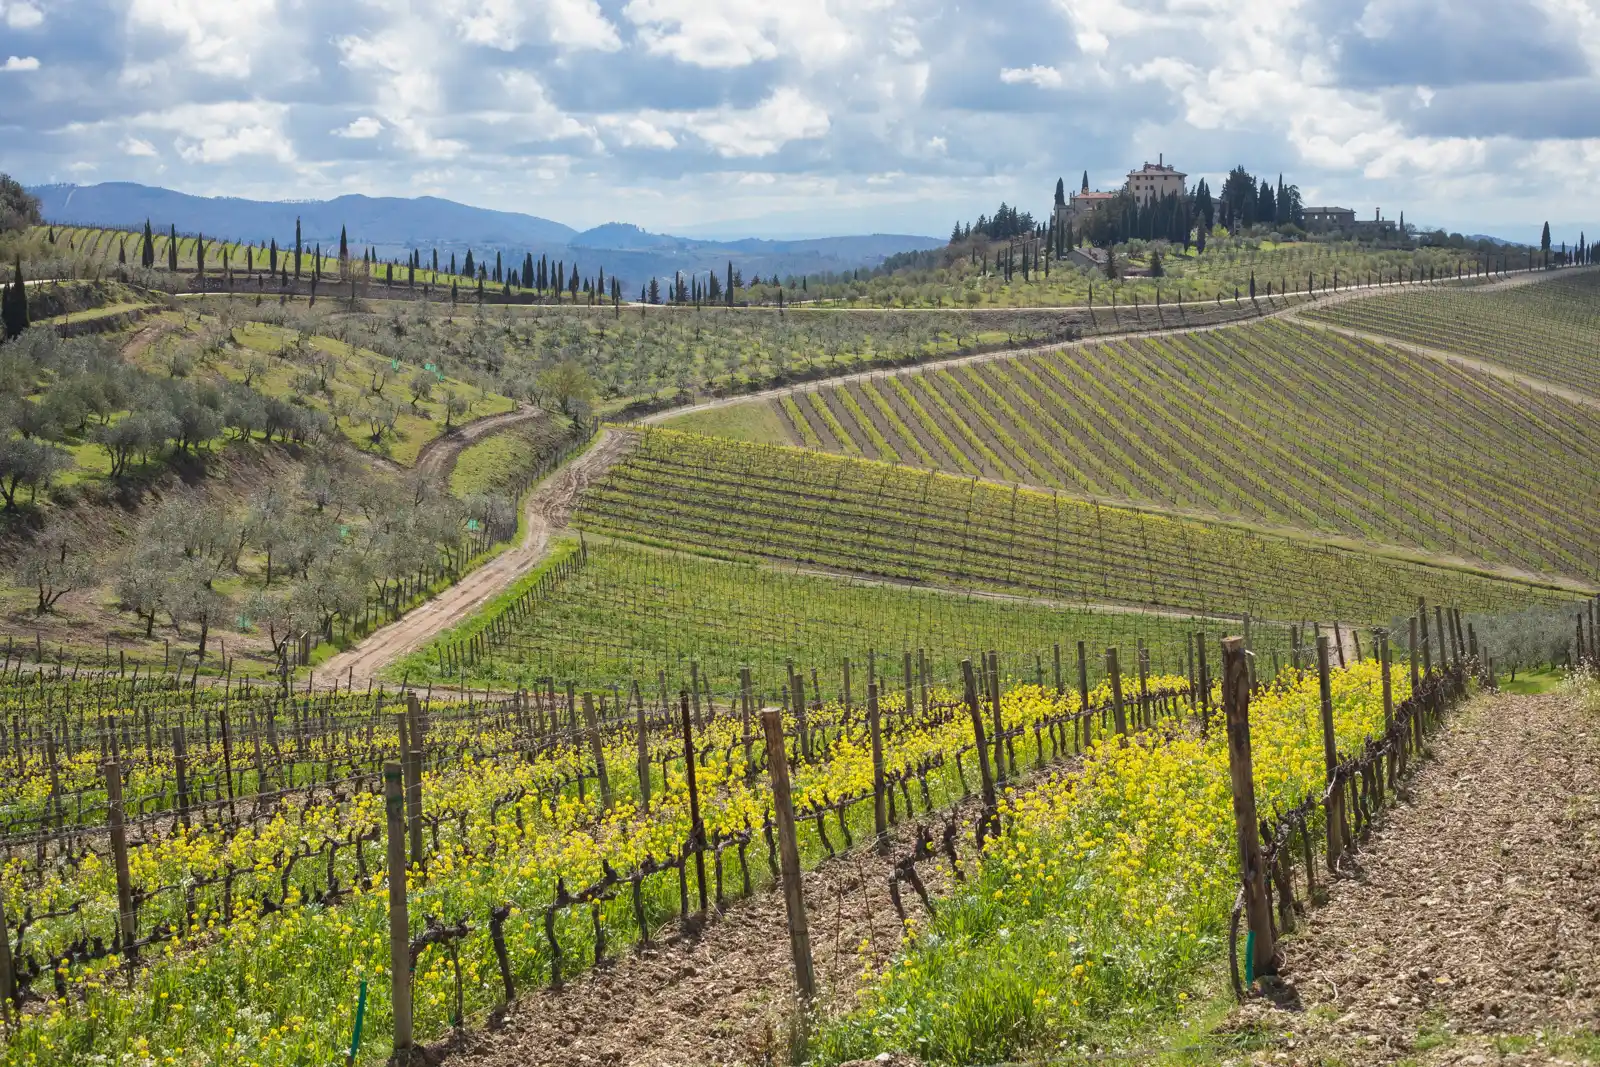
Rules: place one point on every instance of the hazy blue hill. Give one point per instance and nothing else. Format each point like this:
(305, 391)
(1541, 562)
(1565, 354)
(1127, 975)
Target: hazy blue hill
(395, 226)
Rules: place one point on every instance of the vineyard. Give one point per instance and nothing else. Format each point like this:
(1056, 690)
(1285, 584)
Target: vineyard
(205, 871)
(860, 517)
(1547, 330)
(614, 614)
(248, 874)
(1166, 420)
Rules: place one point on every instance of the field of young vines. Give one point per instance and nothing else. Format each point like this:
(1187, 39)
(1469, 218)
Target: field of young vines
(1276, 422)
(1550, 329)
(198, 874)
(617, 613)
(754, 501)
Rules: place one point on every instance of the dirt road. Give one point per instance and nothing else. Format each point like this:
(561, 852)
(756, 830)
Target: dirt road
(546, 513)
(437, 458)
(1470, 933)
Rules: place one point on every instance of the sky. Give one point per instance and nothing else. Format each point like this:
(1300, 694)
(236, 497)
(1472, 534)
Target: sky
(790, 118)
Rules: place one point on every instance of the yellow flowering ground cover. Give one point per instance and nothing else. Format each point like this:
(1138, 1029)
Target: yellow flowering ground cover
(1109, 889)
(276, 983)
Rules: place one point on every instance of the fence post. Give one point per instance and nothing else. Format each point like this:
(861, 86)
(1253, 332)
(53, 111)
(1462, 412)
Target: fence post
(180, 765)
(745, 700)
(643, 729)
(1427, 652)
(798, 691)
(1119, 716)
(117, 817)
(1330, 755)
(789, 855)
(697, 829)
(905, 661)
(1083, 698)
(1058, 668)
(880, 804)
(399, 921)
(8, 979)
(1444, 638)
(1252, 867)
(1381, 639)
(991, 677)
(1145, 716)
(597, 750)
(411, 769)
(981, 749)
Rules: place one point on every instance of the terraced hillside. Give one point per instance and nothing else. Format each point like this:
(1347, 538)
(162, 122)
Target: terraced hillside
(754, 501)
(1550, 330)
(1276, 423)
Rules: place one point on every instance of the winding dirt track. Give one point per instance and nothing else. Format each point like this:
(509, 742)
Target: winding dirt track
(552, 502)
(547, 510)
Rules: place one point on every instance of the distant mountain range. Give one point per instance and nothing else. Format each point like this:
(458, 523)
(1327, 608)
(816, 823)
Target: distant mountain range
(395, 226)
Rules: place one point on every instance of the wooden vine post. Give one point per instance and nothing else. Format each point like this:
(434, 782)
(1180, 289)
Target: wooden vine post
(1114, 672)
(643, 758)
(597, 750)
(1083, 698)
(117, 817)
(1252, 866)
(1381, 641)
(991, 816)
(794, 901)
(697, 829)
(1330, 755)
(8, 976)
(880, 803)
(394, 801)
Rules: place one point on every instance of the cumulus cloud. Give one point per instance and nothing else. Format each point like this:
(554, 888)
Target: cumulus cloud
(21, 15)
(364, 128)
(684, 112)
(1043, 77)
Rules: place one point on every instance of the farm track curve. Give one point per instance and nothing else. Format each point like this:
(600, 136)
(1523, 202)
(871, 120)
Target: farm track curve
(551, 503)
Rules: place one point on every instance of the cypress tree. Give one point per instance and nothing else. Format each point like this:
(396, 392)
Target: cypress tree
(1061, 193)
(14, 305)
(147, 255)
(172, 250)
(497, 274)
(122, 253)
(344, 246)
(468, 267)
(730, 283)
(453, 264)
(297, 248)
(200, 258)
(272, 257)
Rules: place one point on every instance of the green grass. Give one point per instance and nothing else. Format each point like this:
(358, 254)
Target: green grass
(1530, 683)
(759, 422)
(628, 611)
(502, 459)
(751, 501)
(1275, 423)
